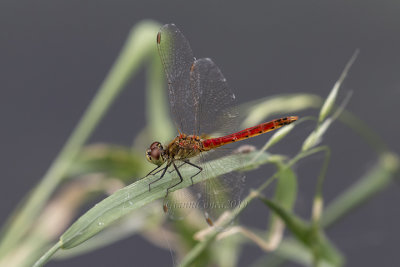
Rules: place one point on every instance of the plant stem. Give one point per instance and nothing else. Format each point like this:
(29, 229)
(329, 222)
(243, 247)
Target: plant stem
(46, 257)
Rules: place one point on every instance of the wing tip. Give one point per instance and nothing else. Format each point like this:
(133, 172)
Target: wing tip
(171, 27)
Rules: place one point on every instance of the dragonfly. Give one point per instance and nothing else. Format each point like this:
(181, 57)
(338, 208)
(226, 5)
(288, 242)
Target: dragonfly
(203, 110)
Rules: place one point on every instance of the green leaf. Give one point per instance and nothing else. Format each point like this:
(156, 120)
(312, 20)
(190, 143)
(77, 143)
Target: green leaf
(278, 136)
(286, 189)
(297, 226)
(330, 100)
(140, 220)
(316, 136)
(285, 194)
(297, 252)
(137, 195)
(320, 246)
(374, 181)
(258, 111)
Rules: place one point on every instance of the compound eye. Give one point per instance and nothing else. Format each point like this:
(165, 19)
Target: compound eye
(155, 153)
(155, 145)
(148, 155)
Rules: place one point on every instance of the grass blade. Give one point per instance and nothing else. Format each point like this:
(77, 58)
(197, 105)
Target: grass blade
(138, 221)
(285, 194)
(318, 244)
(293, 250)
(258, 111)
(330, 100)
(297, 226)
(137, 195)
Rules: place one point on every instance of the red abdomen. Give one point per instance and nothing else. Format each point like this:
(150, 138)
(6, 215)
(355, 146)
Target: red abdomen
(247, 133)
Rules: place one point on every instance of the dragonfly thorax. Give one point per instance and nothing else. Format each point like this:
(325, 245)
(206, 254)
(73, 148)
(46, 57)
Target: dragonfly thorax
(181, 147)
(184, 146)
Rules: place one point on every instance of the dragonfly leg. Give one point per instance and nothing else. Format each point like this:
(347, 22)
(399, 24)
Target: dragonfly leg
(178, 167)
(180, 179)
(158, 171)
(151, 172)
(161, 176)
(194, 165)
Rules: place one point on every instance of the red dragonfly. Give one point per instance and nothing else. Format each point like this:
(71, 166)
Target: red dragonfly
(202, 106)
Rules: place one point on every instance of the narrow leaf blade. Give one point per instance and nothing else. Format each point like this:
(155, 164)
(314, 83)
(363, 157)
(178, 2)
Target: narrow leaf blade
(137, 195)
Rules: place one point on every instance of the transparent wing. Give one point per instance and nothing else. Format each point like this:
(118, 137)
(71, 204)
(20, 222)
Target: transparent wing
(177, 59)
(215, 115)
(214, 101)
(200, 99)
(179, 204)
(213, 197)
(222, 193)
(202, 104)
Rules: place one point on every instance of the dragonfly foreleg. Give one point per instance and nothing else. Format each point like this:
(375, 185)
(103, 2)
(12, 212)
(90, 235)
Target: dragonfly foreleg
(194, 165)
(153, 171)
(180, 179)
(159, 171)
(161, 176)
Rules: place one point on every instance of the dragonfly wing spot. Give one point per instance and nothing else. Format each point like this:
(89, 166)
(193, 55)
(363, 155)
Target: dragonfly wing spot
(159, 38)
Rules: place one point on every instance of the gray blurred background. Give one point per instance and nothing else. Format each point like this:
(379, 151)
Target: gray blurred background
(55, 54)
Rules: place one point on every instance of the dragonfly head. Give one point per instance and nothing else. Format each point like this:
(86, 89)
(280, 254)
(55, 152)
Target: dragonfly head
(155, 154)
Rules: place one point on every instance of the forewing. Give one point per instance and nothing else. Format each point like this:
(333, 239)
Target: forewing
(177, 59)
(200, 99)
